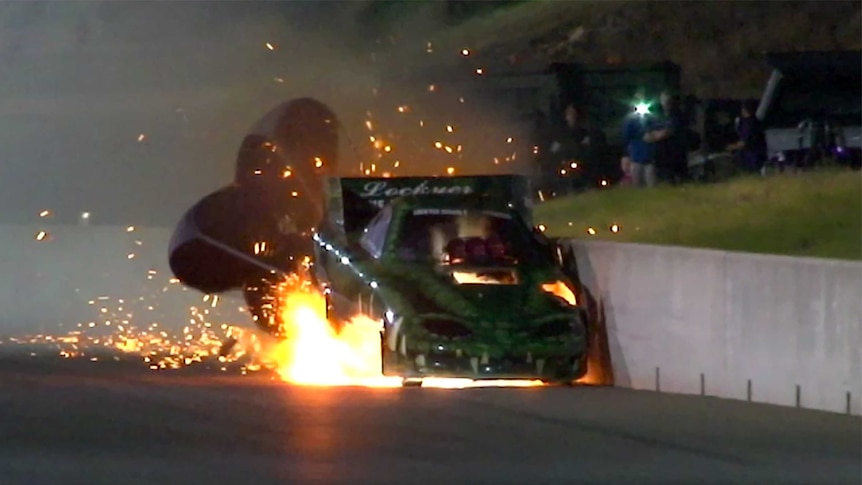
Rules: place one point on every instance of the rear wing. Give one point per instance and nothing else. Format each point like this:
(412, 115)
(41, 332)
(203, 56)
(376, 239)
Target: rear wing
(353, 202)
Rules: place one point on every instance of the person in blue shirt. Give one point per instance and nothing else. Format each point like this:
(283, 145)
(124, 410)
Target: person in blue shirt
(639, 136)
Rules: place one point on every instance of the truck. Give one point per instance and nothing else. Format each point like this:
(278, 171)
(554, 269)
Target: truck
(811, 107)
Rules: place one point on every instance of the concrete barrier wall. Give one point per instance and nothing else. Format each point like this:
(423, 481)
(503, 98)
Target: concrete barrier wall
(743, 326)
(47, 286)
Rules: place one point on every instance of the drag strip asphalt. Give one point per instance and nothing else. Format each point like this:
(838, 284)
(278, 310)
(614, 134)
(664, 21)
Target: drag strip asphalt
(80, 422)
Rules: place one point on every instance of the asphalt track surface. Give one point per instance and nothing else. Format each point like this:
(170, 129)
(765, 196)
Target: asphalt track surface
(80, 422)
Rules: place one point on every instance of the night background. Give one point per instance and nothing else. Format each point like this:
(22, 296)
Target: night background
(82, 81)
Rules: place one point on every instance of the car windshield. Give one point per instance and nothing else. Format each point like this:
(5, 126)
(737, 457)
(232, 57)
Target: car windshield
(460, 237)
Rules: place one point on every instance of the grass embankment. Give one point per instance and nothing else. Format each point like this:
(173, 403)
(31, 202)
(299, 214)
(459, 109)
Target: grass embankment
(815, 215)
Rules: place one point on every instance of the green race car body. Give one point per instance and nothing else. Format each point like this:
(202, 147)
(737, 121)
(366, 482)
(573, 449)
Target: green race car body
(462, 285)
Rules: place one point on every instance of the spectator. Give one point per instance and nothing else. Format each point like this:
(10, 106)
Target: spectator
(751, 147)
(672, 141)
(638, 136)
(578, 148)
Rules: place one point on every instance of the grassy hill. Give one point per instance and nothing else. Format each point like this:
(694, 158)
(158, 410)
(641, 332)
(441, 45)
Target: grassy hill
(815, 214)
(719, 45)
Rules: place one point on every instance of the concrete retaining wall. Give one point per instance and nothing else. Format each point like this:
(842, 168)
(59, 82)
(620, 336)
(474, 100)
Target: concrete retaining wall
(743, 326)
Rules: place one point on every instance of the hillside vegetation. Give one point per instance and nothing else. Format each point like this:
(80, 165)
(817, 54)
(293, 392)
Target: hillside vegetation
(719, 45)
(815, 214)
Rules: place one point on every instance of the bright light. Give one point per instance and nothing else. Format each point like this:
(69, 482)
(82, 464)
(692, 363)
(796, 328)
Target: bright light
(642, 108)
(615, 228)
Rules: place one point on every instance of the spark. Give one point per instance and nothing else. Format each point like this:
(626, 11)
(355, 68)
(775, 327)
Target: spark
(615, 228)
(41, 235)
(270, 46)
(573, 165)
(449, 128)
(130, 228)
(591, 231)
(480, 71)
(141, 137)
(45, 213)
(318, 162)
(450, 170)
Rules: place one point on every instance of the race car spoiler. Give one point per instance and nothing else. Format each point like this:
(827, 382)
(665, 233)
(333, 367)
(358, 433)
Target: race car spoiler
(353, 201)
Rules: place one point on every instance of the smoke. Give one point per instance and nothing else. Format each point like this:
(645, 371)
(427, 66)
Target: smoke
(132, 111)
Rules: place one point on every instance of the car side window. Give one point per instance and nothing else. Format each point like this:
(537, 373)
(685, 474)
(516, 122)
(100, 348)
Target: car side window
(374, 235)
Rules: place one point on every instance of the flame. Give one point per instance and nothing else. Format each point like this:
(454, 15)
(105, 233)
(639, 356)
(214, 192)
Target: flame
(313, 353)
(562, 290)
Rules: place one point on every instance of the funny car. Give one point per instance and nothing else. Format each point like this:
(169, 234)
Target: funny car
(451, 267)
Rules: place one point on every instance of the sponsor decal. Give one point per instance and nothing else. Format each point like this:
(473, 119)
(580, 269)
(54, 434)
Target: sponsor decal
(458, 212)
(381, 188)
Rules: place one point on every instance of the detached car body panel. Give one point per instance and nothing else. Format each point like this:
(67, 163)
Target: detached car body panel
(461, 284)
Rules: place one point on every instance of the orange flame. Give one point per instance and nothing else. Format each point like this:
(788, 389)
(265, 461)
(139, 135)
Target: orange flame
(562, 290)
